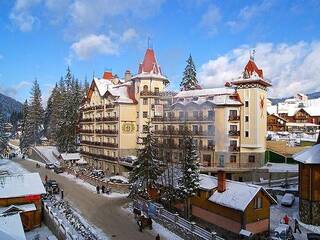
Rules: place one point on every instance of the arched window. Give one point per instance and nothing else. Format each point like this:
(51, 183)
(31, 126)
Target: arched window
(145, 88)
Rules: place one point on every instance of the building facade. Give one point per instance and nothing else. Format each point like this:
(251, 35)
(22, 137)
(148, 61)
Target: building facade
(228, 124)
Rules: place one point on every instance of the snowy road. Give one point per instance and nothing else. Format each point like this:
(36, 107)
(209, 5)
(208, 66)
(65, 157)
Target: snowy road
(105, 213)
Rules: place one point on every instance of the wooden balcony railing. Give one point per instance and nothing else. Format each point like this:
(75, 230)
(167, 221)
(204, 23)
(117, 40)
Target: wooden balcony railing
(106, 131)
(86, 131)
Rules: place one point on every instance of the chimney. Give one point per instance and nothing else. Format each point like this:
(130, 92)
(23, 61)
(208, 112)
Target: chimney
(127, 76)
(221, 181)
(107, 75)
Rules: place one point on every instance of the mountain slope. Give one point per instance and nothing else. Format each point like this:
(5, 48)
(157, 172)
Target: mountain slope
(9, 105)
(310, 96)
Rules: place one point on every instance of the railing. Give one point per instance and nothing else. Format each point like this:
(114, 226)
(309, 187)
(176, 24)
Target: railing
(106, 131)
(86, 131)
(181, 132)
(234, 133)
(86, 120)
(234, 118)
(149, 93)
(182, 119)
(203, 147)
(105, 144)
(234, 149)
(110, 158)
(191, 228)
(110, 105)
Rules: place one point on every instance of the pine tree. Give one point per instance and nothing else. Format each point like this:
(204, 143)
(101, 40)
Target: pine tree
(3, 136)
(189, 79)
(26, 132)
(36, 112)
(146, 169)
(189, 180)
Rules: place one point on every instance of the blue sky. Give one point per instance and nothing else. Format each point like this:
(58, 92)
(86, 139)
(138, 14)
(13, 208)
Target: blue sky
(39, 38)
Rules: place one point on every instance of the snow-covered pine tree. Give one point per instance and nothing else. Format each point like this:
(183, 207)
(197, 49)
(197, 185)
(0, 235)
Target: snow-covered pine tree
(189, 79)
(189, 180)
(36, 112)
(25, 139)
(146, 169)
(3, 136)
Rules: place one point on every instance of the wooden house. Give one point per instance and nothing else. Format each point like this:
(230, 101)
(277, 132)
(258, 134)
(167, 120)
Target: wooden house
(22, 194)
(276, 123)
(309, 187)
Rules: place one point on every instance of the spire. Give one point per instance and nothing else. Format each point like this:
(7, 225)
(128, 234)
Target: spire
(149, 64)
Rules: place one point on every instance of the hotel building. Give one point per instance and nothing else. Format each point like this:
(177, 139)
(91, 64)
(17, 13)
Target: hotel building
(229, 124)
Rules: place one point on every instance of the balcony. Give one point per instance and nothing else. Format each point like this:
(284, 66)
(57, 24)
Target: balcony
(106, 131)
(234, 133)
(206, 148)
(182, 119)
(109, 106)
(86, 131)
(149, 94)
(107, 119)
(103, 144)
(234, 149)
(234, 118)
(86, 120)
(97, 155)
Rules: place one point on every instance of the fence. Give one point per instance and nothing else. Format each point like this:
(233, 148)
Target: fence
(155, 210)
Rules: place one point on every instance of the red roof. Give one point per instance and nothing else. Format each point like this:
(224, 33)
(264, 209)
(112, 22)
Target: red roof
(252, 67)
(107, 75)
(149, 64)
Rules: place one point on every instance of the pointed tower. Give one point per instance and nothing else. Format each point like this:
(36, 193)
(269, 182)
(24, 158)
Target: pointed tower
(252, 89)
(149, 83)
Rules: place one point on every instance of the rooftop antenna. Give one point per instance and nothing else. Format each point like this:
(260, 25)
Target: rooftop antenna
(149, 42)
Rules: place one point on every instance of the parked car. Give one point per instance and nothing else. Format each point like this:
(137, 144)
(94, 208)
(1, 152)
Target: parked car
(52, 186)
(97, 173)
(49, 166)
(118, 179)
(287, 200)
(58, 169)
(313, 236)
(282, 232)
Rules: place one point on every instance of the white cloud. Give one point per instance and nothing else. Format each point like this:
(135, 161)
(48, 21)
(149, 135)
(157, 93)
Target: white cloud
(94, 44)
(210, 19)
(1, 56)
(12, 91)
(291, 68)
(20, 14)
(128, 35)
(249, 13)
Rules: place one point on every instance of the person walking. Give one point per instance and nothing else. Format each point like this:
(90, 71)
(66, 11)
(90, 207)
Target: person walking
(103, 188)
(286, 219)
(296, 226)
(62, 194)
(98, 189)
(158, 237)
(46, 178)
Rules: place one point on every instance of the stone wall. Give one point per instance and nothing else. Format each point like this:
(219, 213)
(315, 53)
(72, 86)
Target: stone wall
(309, 212)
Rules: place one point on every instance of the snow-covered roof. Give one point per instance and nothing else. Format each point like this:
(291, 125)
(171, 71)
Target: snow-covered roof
(21, 185)
(24, 208)
(207, 182)
(272, 109)
(309, 156)
(11, 227)
(70, 156)
(205, 92)
(217, 100)
(298, 124)
(313, 110)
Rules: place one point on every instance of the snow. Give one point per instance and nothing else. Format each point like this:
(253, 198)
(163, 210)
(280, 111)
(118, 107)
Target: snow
(204, 92)
(93, 188)
(21, 185)
(281, 167)
(237, 195)
(43, 232)
(11, 227)
(207, 182)
(23, 208)
(70, 156)
(309, 156)
(48, 152)
(11, 167)
(118, 177)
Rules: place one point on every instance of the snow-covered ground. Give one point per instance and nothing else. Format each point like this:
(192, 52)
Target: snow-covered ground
(277, 212)
(156, 227)
(281, 167)
(42, 232)
(93, 188)
(11, 167)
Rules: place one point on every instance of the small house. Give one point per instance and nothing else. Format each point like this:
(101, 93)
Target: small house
(69, 159)
(309, 187)
(22, 194)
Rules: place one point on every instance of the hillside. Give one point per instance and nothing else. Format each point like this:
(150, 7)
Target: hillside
(9, 105)
(310, 96)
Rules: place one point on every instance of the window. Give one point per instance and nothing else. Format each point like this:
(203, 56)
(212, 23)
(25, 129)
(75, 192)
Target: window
(246, 103)
(181, 115)
(233, 158)
(156, 101)
(246, 118)
(145, 88)
(210, 143)
(156, 127)
(246, 134)
(258, 203)
(145, 128)
(233, 127)
(195, 128)
(195, 115)
(137, 114)
(156, 90)
(206, 160)
(221, 161)
(145, 114)
(145, 101)
(137, 128)
(252, 158)
(210, 115)
(233, 113)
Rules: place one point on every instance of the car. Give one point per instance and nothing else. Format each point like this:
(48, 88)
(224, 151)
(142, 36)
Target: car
(58, 169)
(52, 186)
(118, 179)
(97, 173)
(287, 200)
(49, 165)
(282, 232)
